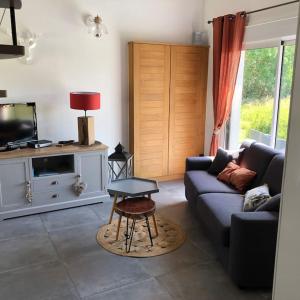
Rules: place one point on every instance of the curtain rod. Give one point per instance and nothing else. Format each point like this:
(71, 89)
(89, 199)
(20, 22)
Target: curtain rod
(265, 8)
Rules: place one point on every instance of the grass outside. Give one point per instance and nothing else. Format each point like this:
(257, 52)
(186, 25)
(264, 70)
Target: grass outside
(258, 115)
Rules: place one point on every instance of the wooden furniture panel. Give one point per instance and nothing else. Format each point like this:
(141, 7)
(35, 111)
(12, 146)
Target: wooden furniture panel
(149, 108)
(187, 104)
(167, 91)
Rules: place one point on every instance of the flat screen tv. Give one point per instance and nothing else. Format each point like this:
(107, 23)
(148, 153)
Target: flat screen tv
(17, 123)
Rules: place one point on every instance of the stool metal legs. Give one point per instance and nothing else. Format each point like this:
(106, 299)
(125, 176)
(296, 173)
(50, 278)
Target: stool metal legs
(129, 233)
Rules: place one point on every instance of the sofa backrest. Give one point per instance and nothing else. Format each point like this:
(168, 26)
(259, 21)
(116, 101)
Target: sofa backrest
(257, 158)
(274, 173)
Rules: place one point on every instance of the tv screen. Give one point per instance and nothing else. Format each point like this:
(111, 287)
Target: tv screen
(17, 123)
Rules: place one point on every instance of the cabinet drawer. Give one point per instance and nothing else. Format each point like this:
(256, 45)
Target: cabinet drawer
(53, 183)
(52, 197)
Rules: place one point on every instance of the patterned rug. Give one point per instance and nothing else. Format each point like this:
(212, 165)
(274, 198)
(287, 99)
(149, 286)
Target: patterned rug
(170, 237)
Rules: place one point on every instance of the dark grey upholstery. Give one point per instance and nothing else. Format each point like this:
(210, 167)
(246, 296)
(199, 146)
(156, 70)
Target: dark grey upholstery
(215, 210)
(198, 163)
(257, 158)
(220, 162)
(271, 205)
(202, 182)
(273, 176)
(252, 248)
(245, 242)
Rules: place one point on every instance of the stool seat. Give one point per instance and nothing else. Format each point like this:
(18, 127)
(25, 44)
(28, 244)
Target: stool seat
(135, 208)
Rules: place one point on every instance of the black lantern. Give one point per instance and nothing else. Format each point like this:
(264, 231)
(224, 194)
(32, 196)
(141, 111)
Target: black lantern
(120, 164)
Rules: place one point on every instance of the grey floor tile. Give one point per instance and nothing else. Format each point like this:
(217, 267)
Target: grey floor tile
(75, 241)
(179, 213)
(30, 268)
(71, 217)
(149, 289)
(103, 210)
(103, 271)
(208, 282)
(46, 281)
(172, 185)
(24, 251)
(17, 227)
(199, 240)
(184, 256)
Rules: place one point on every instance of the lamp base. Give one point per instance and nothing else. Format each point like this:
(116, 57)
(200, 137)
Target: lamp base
(86, 131)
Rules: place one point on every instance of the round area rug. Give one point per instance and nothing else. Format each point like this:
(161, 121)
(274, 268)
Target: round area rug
(170, 237)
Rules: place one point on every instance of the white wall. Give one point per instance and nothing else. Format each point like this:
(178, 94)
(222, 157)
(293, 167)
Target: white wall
(68, 59)
(262, 26)
(287, 271)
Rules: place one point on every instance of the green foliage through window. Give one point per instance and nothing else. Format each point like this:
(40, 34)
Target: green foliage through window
(258, 91)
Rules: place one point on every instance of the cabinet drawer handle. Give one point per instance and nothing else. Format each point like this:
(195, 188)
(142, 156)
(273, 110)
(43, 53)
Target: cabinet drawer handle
(55, 196)
(54, 183)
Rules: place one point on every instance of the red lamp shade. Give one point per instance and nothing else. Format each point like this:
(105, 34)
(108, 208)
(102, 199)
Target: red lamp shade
(85, 100)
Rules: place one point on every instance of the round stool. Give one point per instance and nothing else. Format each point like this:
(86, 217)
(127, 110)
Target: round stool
(138, 208)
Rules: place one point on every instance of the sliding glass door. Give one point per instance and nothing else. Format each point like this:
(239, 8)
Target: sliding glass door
(261, 111)
(285, 96)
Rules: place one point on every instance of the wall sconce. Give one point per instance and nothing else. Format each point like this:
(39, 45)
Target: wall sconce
(28, 40)
(95, 26)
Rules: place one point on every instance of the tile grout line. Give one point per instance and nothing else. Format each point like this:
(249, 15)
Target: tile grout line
(24, 267)
(120, 287)
(61, 261)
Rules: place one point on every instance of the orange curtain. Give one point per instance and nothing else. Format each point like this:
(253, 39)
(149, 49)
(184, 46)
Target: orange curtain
(228, 35)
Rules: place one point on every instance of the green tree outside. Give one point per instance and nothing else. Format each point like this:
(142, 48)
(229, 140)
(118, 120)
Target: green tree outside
(258, 91)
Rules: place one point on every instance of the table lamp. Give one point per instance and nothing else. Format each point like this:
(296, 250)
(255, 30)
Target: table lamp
(85, 101)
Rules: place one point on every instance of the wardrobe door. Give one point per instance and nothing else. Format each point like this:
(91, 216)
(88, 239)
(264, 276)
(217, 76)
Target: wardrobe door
(187, 104)
(149, 108)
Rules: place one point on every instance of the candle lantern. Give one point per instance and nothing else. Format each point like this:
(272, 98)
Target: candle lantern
(120, 164)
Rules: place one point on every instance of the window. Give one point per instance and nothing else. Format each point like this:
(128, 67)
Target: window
(260, 109)
(285, 96)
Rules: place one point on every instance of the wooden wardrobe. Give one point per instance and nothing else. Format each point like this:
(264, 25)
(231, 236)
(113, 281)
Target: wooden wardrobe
(167, 91)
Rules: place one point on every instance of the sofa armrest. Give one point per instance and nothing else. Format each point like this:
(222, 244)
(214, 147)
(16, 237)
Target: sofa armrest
(197, 163)
(253, 238)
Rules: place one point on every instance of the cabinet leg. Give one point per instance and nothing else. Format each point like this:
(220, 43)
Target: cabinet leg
(113, 208)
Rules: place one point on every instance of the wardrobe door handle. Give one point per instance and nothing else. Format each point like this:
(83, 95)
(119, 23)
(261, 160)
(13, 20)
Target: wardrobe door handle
(54, 182)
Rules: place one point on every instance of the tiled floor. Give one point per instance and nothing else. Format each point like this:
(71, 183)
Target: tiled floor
(55, 256)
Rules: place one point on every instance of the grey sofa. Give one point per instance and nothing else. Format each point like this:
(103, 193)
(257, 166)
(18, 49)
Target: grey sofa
(245, 242)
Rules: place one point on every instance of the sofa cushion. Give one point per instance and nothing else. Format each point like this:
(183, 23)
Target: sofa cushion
(226, 173)
(215, 211)
(256, 197)
(220, 162)
(273, 175)
(241, 178)
(257, 158)
(201, 182)
(272, 204)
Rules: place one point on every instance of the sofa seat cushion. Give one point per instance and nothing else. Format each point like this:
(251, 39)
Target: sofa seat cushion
(201, 182)
(215, 211)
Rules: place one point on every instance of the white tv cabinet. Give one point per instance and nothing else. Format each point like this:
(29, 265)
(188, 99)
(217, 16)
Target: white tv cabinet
(39, 180)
